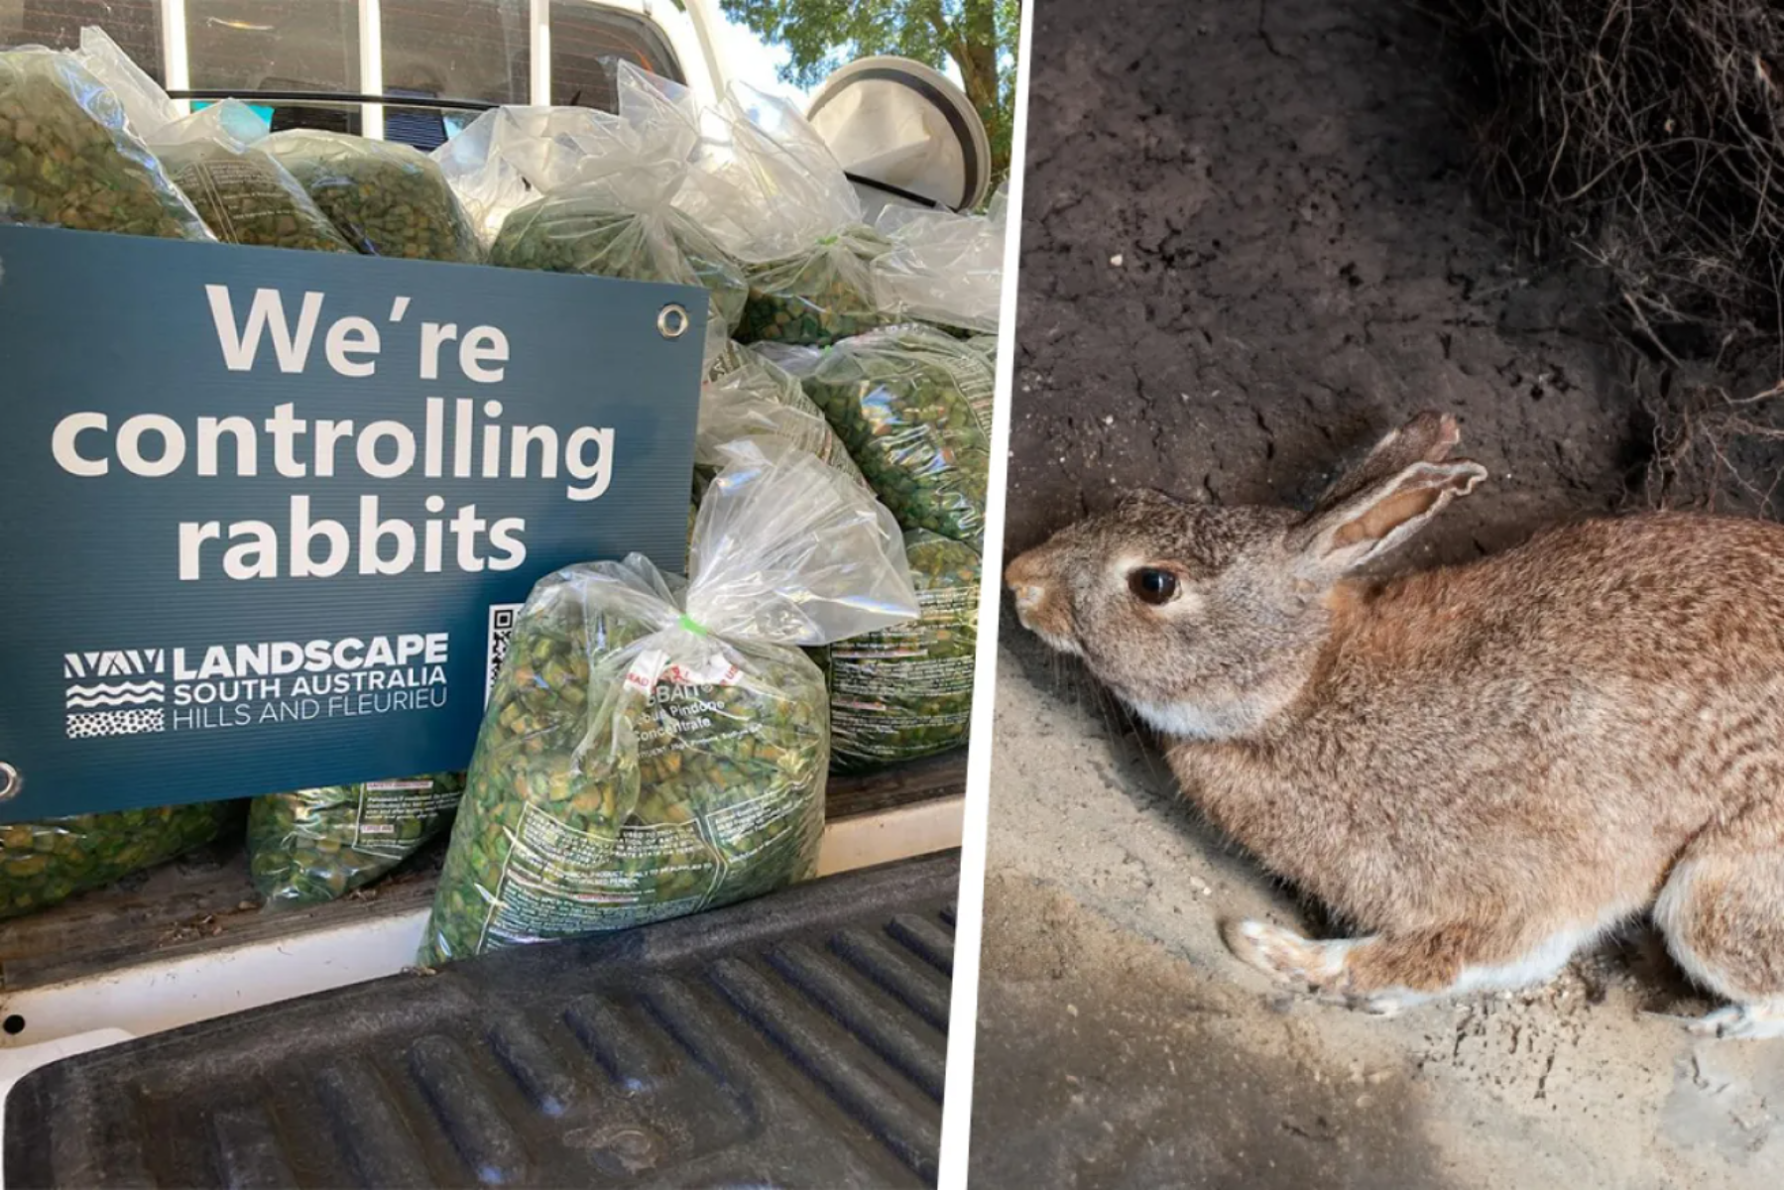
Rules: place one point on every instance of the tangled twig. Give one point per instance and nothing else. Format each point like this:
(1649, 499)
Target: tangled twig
(1715, 450)
(1646, 133)
(1645, 137)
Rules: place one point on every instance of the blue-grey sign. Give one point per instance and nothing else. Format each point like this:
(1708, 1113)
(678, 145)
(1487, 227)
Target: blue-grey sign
(265, 515)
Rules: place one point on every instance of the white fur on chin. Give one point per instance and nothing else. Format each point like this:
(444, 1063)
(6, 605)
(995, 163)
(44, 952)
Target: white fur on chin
(1191, 722)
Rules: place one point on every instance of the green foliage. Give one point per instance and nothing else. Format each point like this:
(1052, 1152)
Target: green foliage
(978, 36)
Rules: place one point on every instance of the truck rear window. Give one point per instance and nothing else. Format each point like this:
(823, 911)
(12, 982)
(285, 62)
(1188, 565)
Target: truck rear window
(287, 57)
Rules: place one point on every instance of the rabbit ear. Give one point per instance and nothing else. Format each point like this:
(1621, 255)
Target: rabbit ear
(1428, 437)
(1379, 518)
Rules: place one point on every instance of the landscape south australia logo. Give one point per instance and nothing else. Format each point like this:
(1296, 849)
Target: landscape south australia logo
(115, 692)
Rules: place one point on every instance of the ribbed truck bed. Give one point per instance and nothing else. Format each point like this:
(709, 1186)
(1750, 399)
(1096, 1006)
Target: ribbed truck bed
(796, 1040)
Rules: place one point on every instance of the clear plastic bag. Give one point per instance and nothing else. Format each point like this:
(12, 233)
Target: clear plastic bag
(912, 405)
(767, 189)
(816, 297)
(942, 268)
(987, 348)
(243, 195)
(485, 182)
(653, 748)
(725, 279)
(45, 862)
(582, 232)
(315, 845)
(906, 692)
(572, 190)
(69, 159)
(386, 199)
(749, 397)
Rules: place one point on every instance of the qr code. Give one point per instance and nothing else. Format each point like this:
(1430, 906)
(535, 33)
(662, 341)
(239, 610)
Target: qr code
(502, 617)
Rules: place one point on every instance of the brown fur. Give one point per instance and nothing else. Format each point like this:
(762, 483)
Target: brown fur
(1465, 762)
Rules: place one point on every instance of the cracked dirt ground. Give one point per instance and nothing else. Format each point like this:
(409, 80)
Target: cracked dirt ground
(1251, 243)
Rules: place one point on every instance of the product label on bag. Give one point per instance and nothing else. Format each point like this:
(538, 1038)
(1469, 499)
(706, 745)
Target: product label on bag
(265, 510)
(386, 808)
(889, 682)
(560, 881)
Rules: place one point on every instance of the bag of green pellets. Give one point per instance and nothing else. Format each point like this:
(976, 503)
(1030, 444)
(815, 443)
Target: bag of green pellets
(653, 748)
(315, 845)
(243, 195)
(815, 297)
(942, 268)
(386, 199)
(45, 862)
(906, 692)
(586, 228)
(987, 347)
(913, 406)
(69, 159)
(766, 187)
(601, 186)
(750, 397)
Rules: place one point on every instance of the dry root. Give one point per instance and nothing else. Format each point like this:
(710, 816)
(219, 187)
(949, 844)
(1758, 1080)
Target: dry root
(1714, 450)
(1644, 136)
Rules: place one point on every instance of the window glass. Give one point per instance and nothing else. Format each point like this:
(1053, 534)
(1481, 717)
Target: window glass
(133, 24)
(453, 49)
(426, 128)
(274, 45)
(459, 49)
(279, 45)
(586, 39)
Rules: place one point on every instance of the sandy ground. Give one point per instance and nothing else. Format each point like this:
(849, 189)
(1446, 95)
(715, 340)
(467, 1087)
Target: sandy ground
(1251, 244)
(1121, 1046)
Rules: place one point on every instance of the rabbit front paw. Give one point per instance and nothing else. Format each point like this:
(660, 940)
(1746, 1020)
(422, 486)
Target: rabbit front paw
(1310, 965)
(1285, 955)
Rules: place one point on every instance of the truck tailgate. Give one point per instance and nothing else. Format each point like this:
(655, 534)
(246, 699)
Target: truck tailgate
(794, 1040)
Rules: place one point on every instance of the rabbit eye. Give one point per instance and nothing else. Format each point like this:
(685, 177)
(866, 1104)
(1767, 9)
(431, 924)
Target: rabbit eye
(1152, 585)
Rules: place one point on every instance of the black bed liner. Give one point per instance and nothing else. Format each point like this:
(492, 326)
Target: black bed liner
(797, 1040)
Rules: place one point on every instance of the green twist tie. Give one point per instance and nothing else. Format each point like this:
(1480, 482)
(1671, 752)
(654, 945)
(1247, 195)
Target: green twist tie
(688, 622)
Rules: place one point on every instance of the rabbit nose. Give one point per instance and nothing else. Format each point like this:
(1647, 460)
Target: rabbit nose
(1023, 577)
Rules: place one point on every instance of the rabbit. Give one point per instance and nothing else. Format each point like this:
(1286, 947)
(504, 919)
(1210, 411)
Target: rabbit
(1483, 767)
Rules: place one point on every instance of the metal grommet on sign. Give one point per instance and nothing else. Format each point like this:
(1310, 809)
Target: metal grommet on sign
(672, 321)
(11, 781)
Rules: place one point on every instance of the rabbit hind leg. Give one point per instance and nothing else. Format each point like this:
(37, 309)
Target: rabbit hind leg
(1722, 913)
(1382, 974)
(1749, 1022)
